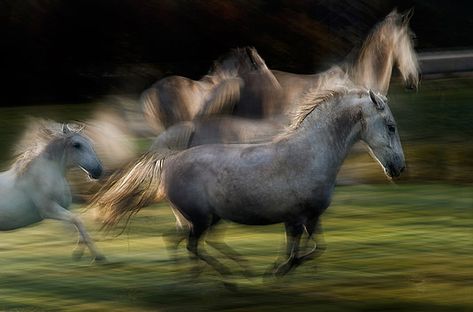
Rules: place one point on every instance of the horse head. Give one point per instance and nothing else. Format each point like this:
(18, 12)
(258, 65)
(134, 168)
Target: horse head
(380, 134)
(403, 49)
(79, 152)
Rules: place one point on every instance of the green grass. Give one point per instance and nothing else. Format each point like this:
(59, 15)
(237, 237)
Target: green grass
(390, 248)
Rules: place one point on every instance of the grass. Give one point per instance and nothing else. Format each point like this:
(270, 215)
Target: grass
(390, 248)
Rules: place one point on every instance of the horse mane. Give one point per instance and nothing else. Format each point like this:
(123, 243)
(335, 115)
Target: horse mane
(315, 97)
(37, 136)
(392, 21)
(334, 83)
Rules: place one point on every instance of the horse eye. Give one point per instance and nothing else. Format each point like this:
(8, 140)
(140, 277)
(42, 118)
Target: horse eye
(391, 128)
(76, 145)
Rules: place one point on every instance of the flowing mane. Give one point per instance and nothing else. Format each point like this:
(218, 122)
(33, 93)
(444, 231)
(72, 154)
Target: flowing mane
(38, 134)
(375, 37)
(388, 43)
(337, 83)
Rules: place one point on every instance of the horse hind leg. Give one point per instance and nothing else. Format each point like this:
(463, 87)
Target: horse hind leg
(198, 229)
(175, 237)
(215, 240)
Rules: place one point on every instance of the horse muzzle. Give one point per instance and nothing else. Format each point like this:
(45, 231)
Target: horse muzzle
(394, 171)
(412, 82)
(93, 173)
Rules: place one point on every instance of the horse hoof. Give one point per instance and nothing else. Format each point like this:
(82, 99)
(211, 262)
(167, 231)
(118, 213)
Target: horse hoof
(282, 270)
(100, 259)
(77, 254)
(230, 286)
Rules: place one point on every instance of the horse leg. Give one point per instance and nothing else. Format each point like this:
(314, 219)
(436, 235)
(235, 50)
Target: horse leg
(56, 212)
(173, 239)
(313, 227)
(199, 253)
(293, 236)
(219, 245)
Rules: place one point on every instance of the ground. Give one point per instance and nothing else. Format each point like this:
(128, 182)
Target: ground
(390, 248)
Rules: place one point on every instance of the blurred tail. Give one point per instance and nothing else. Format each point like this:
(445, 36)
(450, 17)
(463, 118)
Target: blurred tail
(130, 189)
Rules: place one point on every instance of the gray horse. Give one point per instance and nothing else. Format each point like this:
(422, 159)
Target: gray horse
(289, 180)
(175, 98)
(217, 129)
(35, 187)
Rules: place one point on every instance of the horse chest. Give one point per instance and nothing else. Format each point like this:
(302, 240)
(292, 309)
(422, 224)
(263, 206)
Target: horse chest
(16, 210)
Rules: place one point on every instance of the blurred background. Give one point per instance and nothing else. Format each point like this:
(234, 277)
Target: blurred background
(75, 54)
(400, 247)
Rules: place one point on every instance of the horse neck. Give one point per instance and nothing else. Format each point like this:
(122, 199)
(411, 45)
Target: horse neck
(373, 67)
(326, 137)
(54, 154)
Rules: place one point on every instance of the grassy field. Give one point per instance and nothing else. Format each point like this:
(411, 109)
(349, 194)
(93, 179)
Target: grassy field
(390, 248)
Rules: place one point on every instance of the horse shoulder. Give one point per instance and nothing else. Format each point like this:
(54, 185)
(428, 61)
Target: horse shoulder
(44, 181)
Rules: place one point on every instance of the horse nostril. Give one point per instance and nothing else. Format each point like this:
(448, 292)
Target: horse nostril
(403, 168)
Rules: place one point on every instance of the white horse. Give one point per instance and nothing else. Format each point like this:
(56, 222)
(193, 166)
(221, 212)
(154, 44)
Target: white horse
(35, 187)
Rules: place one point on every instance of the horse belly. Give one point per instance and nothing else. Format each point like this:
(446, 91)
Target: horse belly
(16, 210)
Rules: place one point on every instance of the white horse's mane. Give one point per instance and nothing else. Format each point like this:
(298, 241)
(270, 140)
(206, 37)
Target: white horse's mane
(37, 135)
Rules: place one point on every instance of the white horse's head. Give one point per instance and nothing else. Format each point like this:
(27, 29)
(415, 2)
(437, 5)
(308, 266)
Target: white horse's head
(380, 133)
(78, 151)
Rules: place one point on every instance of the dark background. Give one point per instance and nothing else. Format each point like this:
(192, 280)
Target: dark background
(55, 51)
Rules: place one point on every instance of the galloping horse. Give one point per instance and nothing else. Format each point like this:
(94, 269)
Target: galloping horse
(388, 44)
(289, 180)
(35, 187)
(175, 98)
(237, 88)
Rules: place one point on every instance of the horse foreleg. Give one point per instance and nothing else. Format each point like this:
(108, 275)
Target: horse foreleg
(293, 237)
(56, 212)
(315, 233)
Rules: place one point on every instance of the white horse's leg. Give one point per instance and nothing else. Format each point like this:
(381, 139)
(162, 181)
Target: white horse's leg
(56, 212)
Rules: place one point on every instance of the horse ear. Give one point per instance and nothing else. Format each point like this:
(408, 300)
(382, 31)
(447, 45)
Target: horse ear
(406, 16)
(377, 100)
(65, 129)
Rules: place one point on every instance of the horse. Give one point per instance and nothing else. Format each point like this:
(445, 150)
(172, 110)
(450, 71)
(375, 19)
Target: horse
(176, 98)
(35, 187)
(264, 93)
(288, 180)
(387, 45)
(217, 129)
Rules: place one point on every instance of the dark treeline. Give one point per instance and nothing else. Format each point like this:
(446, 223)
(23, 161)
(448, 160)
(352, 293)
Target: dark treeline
(55, 50)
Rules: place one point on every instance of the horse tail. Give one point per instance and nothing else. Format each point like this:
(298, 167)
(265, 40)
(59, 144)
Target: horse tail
(152, 110)
(127, 191)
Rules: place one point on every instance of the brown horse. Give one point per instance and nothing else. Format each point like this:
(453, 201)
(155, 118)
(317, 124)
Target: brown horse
(176, 98)
(238, 88)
